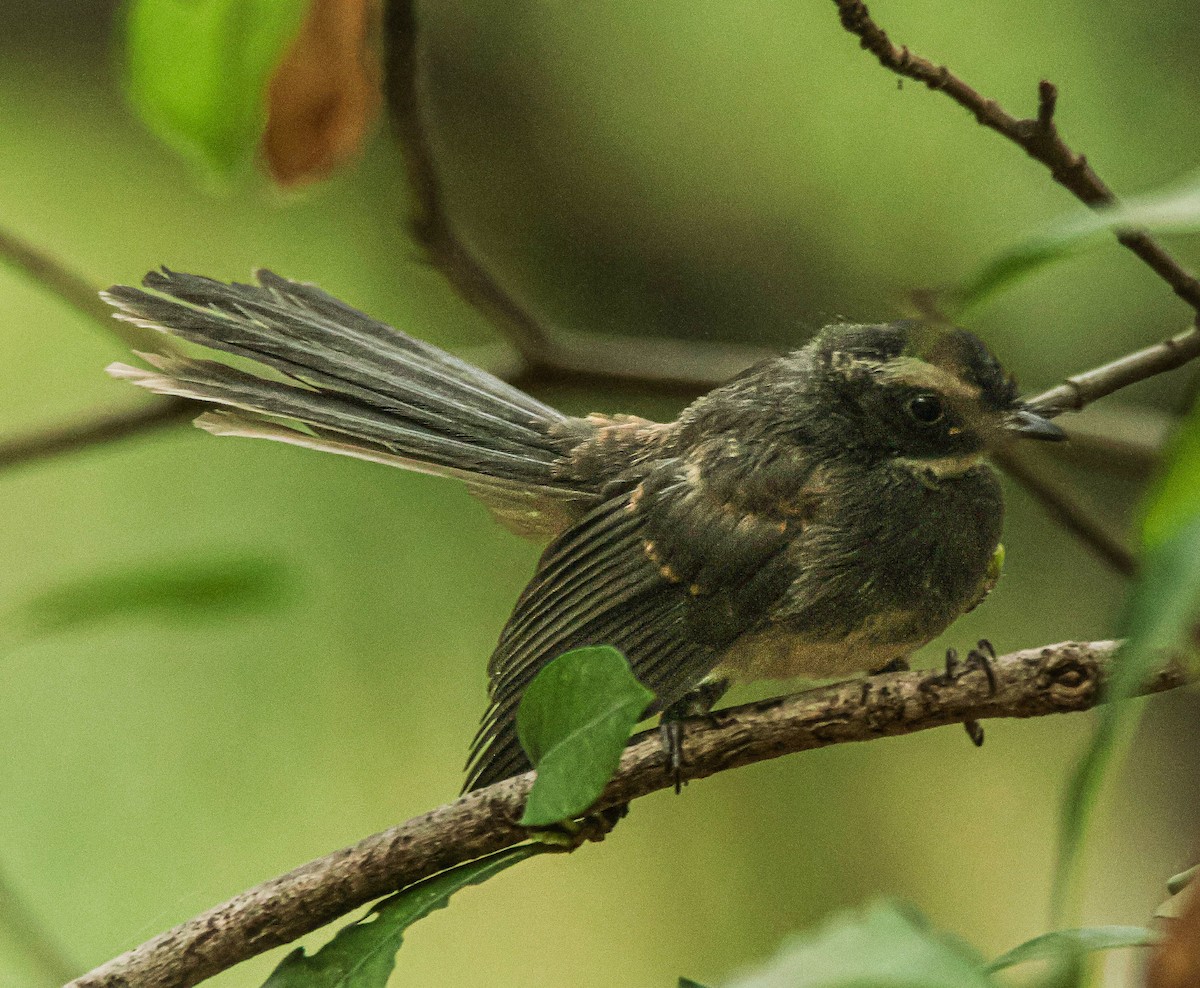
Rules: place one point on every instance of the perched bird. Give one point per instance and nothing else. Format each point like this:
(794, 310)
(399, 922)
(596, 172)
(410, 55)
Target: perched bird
(826, 512)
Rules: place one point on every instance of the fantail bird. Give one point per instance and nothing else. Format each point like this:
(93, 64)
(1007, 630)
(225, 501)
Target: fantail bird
(826, 512)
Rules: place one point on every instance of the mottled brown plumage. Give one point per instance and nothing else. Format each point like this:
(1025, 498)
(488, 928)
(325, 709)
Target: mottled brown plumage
(825, 512)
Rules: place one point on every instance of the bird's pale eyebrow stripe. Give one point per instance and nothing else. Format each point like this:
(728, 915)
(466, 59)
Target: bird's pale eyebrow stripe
(919, 374)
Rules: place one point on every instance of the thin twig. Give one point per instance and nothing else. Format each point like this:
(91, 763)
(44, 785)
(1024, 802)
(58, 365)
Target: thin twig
(72, 288)
(1054, 679)
(94, 429)
(1038, 137)
(1081, 389)
(1065, 508)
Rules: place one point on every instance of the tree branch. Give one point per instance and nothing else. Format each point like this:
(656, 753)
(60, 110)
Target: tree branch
(1038, 137)
(97, 428)
(1081, 389)
(586, 360)
(1032, 683)
(1062, 504)
(72, 288)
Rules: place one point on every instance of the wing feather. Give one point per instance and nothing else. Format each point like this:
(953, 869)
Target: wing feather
(627, 574)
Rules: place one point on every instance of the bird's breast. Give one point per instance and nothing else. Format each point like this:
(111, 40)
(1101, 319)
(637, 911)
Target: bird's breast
(887, 567)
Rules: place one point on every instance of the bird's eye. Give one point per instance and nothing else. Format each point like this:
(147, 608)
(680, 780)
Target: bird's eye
(926, 409)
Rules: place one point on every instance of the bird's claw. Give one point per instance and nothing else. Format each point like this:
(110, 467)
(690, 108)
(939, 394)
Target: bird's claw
(980, 657)
(670, 730)
(900, 664)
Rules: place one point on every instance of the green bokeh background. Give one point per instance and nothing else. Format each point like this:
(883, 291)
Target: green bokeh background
(707, 170)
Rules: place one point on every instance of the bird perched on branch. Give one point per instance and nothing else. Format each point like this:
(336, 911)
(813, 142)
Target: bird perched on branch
(826, 512)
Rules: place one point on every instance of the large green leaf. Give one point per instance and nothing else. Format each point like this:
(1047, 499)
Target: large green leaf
(1053, 946)
(1161, 611)
(197, 71)
(363, 954)
(193, 589)
(574, 721)
(886, 945)
(1175, 209)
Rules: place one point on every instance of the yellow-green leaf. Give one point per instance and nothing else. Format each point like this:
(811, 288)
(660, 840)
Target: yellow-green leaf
(197, 71)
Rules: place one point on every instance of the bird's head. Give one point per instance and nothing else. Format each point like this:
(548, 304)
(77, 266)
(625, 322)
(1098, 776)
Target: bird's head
(924, 396)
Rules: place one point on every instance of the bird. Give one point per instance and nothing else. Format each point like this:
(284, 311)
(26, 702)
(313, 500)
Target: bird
(823, 514)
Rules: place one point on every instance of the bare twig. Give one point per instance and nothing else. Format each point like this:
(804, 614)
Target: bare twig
(70, 287)
(1038, 137)
(1081, 389)
(1054, 679)
(93, 430)
(1065, 508)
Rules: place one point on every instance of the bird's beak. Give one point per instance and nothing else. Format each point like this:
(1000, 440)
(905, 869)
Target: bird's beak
(1027, 423)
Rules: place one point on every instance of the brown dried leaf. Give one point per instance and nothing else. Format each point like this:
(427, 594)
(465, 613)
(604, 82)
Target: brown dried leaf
(325, 94)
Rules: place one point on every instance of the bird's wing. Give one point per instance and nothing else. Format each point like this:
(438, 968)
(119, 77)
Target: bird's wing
(666, 571)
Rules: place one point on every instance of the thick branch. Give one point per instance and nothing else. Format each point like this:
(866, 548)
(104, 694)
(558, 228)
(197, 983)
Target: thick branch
(1054, 679)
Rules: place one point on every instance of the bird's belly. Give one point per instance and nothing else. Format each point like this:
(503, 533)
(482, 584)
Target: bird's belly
(782, 653)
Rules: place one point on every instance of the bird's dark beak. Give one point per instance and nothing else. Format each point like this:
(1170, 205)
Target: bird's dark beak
(1027, 423)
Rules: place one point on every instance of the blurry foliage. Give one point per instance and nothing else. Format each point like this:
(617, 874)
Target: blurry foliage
(889, 945)
(197, 70)
(1161, 615)
(176, 590)
(1175, 209)
(363, 954)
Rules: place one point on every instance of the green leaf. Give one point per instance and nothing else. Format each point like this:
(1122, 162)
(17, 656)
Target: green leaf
(1161, 610)
(573, 723)
(887, 945)
(177, 590)
(1177, 883)
(197, 71)
(363, 954)
(1054, 946)
(1175, 209)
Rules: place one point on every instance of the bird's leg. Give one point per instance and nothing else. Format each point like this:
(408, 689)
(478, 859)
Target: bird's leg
(898, 664)
(670, 723)
(980, 657)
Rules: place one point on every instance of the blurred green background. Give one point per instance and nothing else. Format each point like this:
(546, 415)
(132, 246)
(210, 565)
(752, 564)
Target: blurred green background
(715, 170)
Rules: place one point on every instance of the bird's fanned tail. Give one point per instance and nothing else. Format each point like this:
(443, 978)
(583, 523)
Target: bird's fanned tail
(354, 386)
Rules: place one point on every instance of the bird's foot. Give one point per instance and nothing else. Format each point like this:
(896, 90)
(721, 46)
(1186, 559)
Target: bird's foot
(671, 725)
(899, 664)
(980, 657)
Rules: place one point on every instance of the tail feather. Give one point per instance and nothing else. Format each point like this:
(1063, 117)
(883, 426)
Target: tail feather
(362, 385)
(312, 337)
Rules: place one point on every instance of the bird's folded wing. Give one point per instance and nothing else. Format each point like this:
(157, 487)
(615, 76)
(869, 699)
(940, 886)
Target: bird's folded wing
(665, 571)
